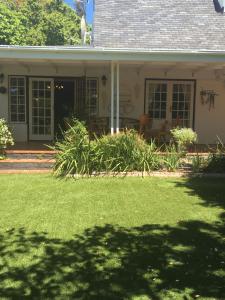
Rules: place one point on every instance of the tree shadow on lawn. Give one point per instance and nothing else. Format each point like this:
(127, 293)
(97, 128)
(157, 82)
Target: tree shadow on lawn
(112, 262)
(211, 192)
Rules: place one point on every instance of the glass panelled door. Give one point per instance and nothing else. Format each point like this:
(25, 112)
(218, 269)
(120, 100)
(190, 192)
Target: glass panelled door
(182, 94)
(169, 101)
(157, 102)
(41, 124)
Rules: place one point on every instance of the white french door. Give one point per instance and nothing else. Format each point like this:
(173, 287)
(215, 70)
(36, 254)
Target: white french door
(41, 108)
(171, 101)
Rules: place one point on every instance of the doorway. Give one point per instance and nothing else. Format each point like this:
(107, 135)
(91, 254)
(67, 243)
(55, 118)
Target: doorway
(54, 101)
(64, 104)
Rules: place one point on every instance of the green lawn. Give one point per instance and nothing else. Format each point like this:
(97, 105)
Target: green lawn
(109, 238)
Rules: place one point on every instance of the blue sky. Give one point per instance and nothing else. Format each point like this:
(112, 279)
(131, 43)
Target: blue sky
(89, 9)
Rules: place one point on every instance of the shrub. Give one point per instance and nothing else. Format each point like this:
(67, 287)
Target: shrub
(183, 137)
(125, 152)
(6, 138)
(215, 163)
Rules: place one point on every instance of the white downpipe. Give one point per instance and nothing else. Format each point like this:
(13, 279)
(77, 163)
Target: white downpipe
(117, 98)
(112, 98)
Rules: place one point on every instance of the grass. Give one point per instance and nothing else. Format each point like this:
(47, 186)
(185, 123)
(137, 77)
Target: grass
(108, 238)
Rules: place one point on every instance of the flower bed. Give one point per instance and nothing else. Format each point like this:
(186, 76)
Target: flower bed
(123, 153)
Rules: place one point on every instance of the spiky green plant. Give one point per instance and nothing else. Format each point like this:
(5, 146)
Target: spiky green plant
(198, 163)
(123, 152)
(73, 151)
(172, 158)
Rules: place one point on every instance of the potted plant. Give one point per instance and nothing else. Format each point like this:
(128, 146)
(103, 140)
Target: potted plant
(183, 138)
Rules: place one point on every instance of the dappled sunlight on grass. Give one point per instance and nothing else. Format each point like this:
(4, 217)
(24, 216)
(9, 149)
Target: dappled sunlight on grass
(123, 256)
(113, 262)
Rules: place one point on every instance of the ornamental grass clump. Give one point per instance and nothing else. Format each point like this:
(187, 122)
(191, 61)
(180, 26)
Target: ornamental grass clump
(123, 152)
(73, 151)
(172, 159)
(199, 163)
(6, 138)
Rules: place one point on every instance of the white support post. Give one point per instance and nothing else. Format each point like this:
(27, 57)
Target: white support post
(117, 98)
(112, 98)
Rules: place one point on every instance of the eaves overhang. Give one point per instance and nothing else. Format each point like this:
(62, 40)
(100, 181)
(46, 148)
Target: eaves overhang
(63, 53)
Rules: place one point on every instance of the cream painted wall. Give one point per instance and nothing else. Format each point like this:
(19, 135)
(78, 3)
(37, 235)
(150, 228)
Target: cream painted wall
(4, 98)
(20, 131)
(208, 124)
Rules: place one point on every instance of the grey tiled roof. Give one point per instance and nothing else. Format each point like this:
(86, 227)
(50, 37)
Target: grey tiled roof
(159, 24)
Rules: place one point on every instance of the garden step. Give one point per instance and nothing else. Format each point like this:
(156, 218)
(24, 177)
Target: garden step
(25, 165)
(27, 161)
(18, 171)
(31, 151)
(30, 154)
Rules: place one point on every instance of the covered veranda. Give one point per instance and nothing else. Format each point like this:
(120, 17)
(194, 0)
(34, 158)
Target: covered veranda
(111, 90)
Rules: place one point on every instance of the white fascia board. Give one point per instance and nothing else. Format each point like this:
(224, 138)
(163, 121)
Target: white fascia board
(107, 54)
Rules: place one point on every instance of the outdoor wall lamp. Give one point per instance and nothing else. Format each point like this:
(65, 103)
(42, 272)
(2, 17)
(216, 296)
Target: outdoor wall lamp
(3, 90)
(104, 80)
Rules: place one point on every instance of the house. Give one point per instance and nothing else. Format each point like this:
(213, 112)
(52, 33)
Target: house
(162, 58)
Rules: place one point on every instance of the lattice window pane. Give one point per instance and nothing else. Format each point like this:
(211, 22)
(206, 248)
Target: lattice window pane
(92, 97)
(157, 100)
(181, 104)
(17, 99)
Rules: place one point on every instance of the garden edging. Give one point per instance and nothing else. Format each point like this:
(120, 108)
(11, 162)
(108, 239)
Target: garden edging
(164, 174)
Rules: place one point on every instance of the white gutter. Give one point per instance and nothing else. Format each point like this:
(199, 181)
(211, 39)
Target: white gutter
(108, 50)
(108, 54)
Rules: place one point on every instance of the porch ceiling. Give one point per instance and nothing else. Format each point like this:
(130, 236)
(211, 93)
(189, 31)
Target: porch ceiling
(167, 67)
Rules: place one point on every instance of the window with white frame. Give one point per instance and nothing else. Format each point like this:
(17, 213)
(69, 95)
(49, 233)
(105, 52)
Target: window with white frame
(170, 100)
(17, 99)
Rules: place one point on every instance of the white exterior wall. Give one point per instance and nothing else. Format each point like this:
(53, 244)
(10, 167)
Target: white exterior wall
(208, 124)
